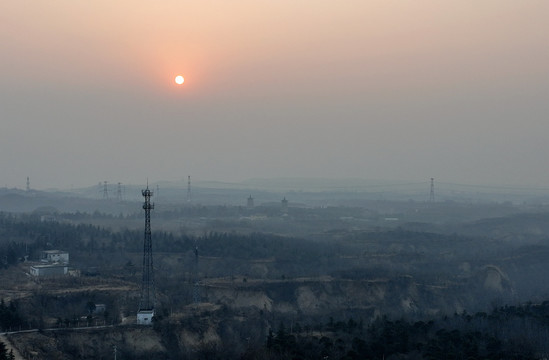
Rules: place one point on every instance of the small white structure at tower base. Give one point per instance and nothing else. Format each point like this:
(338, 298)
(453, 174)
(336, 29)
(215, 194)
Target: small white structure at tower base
(144, 317)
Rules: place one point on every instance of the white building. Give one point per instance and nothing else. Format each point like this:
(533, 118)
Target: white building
(54, 256)
(49, 270)
(144, 317)
(100, 308)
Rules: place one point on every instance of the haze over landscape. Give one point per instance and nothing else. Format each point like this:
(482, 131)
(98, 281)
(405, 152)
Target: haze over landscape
(369, 179)
(396, 90)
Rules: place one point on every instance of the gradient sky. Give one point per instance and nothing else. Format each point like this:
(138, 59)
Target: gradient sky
(401, 90)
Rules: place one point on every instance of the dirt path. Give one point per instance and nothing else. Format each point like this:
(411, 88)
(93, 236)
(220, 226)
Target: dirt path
(9, 346)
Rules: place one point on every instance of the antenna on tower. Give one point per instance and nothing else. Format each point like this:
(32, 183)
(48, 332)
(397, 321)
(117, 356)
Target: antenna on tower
(105, 190)
(147, 299)
(28, 184)
(432, 193)
(189, 188)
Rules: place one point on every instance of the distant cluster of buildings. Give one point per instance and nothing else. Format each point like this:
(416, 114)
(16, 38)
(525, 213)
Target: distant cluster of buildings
(283, 203)
(53, 263)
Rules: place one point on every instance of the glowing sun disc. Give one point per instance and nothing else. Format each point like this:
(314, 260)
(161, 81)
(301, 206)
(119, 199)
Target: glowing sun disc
(179, 79)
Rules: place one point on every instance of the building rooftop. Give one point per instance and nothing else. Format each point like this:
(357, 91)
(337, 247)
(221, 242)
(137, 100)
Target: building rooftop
(48, 266)
(54, 251)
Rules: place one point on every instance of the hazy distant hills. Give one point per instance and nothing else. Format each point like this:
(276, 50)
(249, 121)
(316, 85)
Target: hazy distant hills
(387, 189)
(298, 191)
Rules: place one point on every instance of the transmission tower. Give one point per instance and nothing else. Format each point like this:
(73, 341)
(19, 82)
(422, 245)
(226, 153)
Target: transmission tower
(119, 192)
(147, 300)
(189, 189)
(28, 184)
(105, 190)
(284, 204)
(432, 193)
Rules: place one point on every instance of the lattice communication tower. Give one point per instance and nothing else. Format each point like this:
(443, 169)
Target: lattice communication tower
(147, 300)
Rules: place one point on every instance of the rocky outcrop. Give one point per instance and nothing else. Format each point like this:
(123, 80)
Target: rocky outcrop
(326, 296)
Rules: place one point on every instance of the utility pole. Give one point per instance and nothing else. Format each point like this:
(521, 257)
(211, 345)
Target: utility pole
(196, 285)
(105, 190)
(189, 188)
(432, 193)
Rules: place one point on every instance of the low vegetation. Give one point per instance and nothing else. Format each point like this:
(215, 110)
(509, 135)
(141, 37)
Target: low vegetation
(313, 283)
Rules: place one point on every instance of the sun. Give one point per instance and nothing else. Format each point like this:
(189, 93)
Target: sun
(179, 80)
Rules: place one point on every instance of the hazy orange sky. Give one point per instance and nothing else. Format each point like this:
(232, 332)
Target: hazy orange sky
(401, 90)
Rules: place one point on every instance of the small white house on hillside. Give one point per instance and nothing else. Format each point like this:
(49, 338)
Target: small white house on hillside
(48, 270)
(54, 256)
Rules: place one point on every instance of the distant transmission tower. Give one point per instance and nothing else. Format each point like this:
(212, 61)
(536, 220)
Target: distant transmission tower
(145, 313)
(119, 192)
(284, 204)
(189, 189)
(105, 190)
(28, 184)
(432, 193)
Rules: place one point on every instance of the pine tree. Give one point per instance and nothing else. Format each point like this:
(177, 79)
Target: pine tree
(3, 351)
